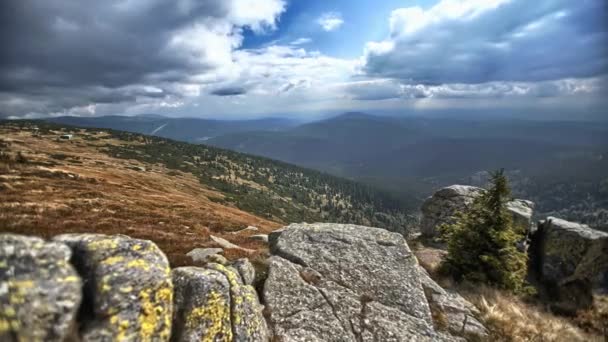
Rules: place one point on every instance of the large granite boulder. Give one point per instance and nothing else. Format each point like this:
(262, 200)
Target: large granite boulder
(213, 304)
(572, 257)
(338, 282)
(521, 212)
(452, 312)
(128, 293)
(39, 290)
(442, 207)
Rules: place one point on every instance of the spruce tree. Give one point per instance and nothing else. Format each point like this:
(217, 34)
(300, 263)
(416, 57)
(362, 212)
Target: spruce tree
(482, 242)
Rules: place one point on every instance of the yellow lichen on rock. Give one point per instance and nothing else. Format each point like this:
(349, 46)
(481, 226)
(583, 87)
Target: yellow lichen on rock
(215, 313)
(155, 317)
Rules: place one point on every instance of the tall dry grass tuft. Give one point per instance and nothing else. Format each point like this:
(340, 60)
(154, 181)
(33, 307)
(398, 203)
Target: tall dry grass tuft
(510, 319)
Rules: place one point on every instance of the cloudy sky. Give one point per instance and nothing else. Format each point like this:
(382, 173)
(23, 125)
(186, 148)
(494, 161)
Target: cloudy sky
(252, 58)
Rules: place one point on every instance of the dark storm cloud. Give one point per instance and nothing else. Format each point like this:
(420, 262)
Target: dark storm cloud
(104, 43)
(519, 40)
(62, 52)
(229, 91)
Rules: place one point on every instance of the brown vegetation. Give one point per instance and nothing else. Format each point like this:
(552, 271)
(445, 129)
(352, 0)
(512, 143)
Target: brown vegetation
(513, 318)
(49, 186)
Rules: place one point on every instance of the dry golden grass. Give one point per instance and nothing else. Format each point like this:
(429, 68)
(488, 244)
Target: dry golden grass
(72, 186)
(511, 319)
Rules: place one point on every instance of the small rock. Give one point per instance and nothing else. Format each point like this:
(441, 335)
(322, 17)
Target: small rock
(217, 259)
(274, 236)
(128, 287)
(227, 244)
(39, 290)
(259, 237)
(203, 254)
(245, 270)
(248, 229)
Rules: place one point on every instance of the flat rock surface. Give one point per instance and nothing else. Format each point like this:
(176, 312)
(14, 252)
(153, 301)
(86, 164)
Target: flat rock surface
(338, 282)
(40, 291)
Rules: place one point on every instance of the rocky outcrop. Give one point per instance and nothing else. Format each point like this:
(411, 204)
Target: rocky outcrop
(445, 203)
(128, 290)
(452, 312)
(572, 259)
(213, 304)
(94, 287)
(39, 290)
(336, 282)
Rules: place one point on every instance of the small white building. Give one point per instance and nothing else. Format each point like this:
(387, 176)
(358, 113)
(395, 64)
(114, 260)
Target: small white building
(66, 137)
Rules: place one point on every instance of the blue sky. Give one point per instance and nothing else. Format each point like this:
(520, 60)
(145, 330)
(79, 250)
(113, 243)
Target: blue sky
(363, 21)
(296, 58)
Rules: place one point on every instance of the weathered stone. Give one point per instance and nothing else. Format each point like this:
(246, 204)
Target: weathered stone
(337, 282)
(39, 290)
(228, 245)
(457, 314)
(274, 235)
(128, 287)
(572, 252)
(248, 323)
(202, 305)
(259, 237)
(202, 255)
(442, 207)
(521, 212)
(248, 229)
(245, 270)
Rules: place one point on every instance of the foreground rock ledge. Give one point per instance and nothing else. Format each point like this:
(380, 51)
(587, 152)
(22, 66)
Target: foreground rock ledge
(39, 290)
(128, 292)
(337, 282)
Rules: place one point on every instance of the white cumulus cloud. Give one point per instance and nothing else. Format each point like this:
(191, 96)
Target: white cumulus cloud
(330, 21)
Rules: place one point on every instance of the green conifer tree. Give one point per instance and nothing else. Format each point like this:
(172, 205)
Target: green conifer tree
(482, 242)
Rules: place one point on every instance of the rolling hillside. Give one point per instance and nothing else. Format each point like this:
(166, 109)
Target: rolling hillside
(149, 187)
(412, 157)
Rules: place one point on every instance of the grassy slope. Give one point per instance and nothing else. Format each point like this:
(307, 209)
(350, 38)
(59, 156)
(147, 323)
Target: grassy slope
(71, 186)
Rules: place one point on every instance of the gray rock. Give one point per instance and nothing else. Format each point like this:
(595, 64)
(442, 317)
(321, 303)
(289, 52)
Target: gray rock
(458, 315)
(337, 282)
(274, 235)
(248, 323)
(227, 244)
(259, 237)
(521, 211)
(203, 254)
(128, 287)
(248, 229)
(441, 207)
(445, 203)
(245, 269)
(202, 305)
(573, 252)
(39, 290)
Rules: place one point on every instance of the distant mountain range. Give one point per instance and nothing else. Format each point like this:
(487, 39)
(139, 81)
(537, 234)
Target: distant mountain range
(192, 130)
(562, 165)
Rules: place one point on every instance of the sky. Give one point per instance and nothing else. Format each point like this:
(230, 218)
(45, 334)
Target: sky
(302, 58)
